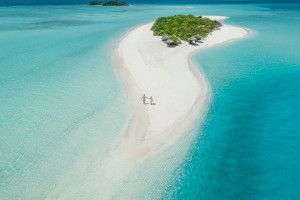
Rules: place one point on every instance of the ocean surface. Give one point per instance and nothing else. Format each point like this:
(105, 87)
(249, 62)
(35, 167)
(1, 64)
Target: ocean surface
(62, 107)
(159, 2)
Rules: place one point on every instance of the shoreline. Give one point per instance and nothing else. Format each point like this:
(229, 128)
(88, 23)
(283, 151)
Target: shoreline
(181, 93)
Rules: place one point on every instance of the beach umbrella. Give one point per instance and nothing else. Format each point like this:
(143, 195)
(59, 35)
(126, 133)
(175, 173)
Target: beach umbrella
(170, 42)
(165, 38)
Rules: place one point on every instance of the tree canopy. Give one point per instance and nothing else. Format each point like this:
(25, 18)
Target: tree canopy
(184, 26)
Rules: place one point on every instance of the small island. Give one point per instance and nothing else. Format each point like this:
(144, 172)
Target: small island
(184, 27)
(108, 3)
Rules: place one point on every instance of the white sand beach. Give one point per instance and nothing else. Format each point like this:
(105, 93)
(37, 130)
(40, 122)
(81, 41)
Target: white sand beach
(180, 92)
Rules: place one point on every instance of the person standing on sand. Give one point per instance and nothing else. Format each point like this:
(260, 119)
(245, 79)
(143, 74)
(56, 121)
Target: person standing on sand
(151, 100)
(144, 99)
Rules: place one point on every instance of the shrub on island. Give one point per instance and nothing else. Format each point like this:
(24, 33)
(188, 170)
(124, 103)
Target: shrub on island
(108, 3)
(184, 27)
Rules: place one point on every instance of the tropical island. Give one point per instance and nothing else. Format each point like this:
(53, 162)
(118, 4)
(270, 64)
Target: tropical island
(108, 3)
(184, 27)
(166, 76)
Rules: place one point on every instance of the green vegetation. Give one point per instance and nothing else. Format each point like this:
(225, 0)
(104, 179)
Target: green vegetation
(184, 26)
(108, 3)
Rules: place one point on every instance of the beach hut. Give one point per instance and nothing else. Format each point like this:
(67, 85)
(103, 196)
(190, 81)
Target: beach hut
(192, 40)
(170, 42)
(165, 38)
(198, 37)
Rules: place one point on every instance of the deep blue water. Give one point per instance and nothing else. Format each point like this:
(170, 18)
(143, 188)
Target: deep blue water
(62, 106)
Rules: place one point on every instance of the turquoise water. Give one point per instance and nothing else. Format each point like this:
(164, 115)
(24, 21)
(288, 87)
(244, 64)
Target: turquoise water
(249, 147)
(61, 104)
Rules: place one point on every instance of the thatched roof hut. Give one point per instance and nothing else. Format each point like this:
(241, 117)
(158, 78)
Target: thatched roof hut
(165, 38)
(170, 42)
(198, 37)
(193, 39)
